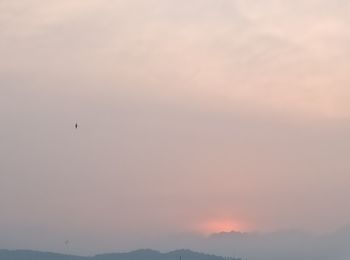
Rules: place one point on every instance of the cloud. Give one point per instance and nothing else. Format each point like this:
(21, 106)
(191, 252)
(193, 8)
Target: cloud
(284, 57)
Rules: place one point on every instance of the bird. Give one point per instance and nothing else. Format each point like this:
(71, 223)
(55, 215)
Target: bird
(66, 242)
(76, 125)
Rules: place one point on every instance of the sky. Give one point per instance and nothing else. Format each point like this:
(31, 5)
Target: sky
(195, 117)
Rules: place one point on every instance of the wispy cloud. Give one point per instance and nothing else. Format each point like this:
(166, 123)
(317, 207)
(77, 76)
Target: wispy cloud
(282, 56)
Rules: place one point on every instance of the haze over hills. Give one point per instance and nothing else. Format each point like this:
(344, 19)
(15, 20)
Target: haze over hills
(144, 254)
(287, 245)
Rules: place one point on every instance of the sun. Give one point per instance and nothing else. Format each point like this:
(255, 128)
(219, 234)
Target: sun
(214, 226)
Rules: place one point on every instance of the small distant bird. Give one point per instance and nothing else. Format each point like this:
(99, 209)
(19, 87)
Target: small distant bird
(76, 125)
(66, 242)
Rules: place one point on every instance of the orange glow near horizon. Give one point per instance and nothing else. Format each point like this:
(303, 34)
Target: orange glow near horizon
(220, 225)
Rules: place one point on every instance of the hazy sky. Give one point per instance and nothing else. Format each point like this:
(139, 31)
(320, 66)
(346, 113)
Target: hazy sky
(195, 116)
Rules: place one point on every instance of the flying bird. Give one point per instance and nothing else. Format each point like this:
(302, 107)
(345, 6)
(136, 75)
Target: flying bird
(76, 125)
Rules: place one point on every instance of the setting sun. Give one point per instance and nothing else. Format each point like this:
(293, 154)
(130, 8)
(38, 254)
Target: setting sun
(220, 225)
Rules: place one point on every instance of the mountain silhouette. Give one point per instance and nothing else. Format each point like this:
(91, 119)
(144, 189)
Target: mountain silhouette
(144, 254)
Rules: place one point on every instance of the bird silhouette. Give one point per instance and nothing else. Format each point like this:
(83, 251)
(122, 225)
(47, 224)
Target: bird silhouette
(76, 125)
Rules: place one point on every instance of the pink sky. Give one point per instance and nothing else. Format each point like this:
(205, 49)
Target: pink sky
(195, 114)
